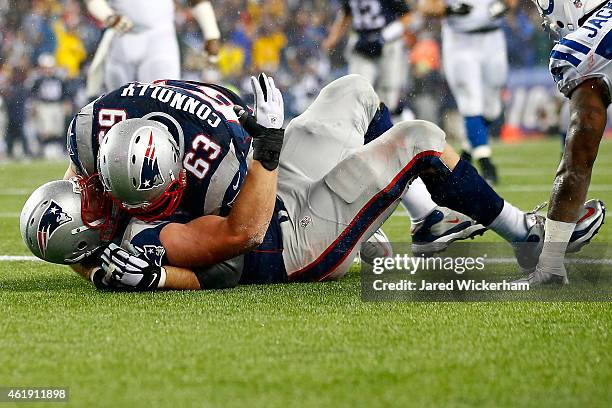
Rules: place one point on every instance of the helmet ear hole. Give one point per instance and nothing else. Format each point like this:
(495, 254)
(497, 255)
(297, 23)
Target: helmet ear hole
(137, 139)
(82, 245)
(560, 24)
(133, 159)
(44, 203)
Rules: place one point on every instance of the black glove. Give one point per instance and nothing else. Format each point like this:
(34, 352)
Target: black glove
(267, 143)
(370, 45)
(459, 9)
(131, 270)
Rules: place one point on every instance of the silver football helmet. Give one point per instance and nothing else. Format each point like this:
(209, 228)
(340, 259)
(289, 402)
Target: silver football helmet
(562, 17)
(141, 167)
(52, 226)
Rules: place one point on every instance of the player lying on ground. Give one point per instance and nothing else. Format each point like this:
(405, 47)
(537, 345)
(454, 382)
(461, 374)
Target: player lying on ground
(580, 64)
(214, 160)
(325, 208)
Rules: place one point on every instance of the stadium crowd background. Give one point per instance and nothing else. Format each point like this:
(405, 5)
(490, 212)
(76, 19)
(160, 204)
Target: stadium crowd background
(281, 37)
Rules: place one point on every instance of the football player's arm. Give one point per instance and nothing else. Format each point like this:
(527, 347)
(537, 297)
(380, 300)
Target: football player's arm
(211, 239)
(204, 14)
(338, 30)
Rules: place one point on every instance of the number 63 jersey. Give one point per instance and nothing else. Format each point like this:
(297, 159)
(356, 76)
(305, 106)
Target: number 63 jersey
(202, 115)
(585, 53)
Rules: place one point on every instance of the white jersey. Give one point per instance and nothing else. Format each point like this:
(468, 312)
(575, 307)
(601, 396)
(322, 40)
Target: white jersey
(146, 14)
(585, 53)
(479, 17)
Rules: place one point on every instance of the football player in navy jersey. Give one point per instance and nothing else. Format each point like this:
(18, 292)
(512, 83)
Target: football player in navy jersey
(203, 124)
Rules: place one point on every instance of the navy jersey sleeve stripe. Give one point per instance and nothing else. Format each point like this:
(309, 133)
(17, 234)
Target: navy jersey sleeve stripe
(565, 57)
(575, 45)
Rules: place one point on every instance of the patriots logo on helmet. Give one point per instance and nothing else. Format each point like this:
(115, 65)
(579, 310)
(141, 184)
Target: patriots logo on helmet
(150, 176)
(53, 218)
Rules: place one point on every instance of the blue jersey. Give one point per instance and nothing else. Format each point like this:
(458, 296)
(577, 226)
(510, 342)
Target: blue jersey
(585, 53)
(373, 15)
(216, 146)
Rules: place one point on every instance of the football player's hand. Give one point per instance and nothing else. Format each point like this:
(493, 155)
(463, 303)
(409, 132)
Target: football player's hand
(267, 142)
(131, 270)
(498, 9)
(370, 45)
(120, 23)
(459, 9)
(269, 106)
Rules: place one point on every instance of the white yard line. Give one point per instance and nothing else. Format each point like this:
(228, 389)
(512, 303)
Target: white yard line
(12, 258)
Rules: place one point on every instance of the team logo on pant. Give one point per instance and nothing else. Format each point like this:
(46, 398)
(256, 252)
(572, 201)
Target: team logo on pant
(150, 176)
(53, 218)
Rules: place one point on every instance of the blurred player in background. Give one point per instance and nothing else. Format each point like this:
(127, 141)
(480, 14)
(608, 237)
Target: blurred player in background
(50, 102)
(140, 42)
(377, 52)
(476, 66)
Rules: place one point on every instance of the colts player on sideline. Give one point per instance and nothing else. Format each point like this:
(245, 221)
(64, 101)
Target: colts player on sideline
(142, 44)
(581, 65)
(377, 52)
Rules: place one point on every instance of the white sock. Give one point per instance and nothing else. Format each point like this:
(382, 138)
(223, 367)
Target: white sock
(417, 201)
(557, 237)
(510, 223)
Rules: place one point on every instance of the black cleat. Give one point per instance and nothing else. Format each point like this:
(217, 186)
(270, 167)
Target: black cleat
(488, 170)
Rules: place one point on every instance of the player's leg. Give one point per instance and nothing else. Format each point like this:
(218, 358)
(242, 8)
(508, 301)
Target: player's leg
(332, 126)
(162, 60)
(331, 216)
(464, 70)
(588, 122)
(393, 74)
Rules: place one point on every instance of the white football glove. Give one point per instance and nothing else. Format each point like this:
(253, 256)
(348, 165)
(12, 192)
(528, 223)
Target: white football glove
(269, 106)
(130, 270)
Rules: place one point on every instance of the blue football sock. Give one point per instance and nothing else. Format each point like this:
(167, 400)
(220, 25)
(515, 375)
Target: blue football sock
(465, 191)
(379, 125)
(477, 131)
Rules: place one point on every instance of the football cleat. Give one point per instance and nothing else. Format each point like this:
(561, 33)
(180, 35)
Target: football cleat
(488, 171)
(441, 228)
(591, 219)
(528, 251)
(377, 246)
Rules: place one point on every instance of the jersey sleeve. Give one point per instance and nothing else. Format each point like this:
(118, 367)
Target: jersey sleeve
(576, 59)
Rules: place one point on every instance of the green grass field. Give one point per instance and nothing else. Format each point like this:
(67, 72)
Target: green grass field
(302, 344)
